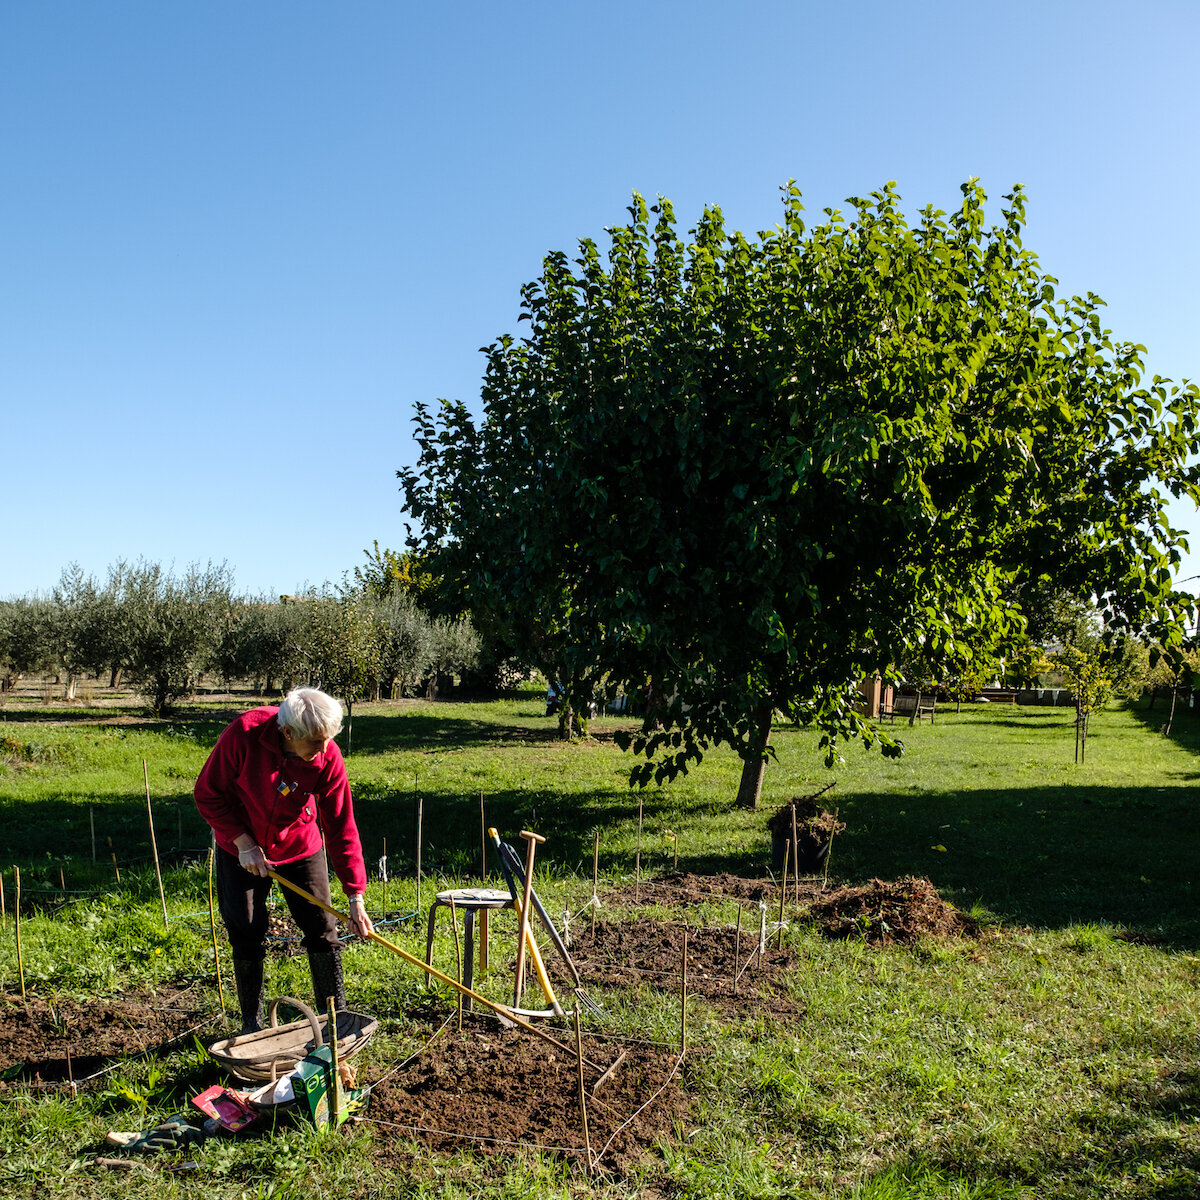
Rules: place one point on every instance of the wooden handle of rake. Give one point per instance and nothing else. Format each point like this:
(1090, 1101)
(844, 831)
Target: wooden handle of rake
(531, 840)
(412, 959)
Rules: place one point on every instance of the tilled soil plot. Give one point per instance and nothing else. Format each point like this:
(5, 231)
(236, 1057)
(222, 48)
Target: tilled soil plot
(36, 1035)
(487, 1090)
(886, 913)
(679, 887)
(650, 952)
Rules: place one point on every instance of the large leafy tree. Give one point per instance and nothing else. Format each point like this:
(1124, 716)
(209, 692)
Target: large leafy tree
(744, 473)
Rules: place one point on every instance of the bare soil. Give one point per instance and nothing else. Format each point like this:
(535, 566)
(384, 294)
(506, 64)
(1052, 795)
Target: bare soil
(649, 953)
(679, 887)
(36, 1034)
(488, 1090)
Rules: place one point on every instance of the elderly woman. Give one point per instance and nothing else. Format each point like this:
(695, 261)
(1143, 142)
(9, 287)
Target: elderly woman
(275, 792)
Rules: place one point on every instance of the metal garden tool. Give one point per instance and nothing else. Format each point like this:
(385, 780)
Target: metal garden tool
(529, 942)
(505, 1013)
(513, 872)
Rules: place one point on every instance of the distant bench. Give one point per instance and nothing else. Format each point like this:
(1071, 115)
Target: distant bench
(902, 706)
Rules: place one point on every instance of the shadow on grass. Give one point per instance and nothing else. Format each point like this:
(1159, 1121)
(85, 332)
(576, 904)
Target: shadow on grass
(1046, 857)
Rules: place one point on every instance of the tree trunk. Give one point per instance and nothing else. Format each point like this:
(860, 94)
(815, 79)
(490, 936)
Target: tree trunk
(754, 763)
(1171, 714)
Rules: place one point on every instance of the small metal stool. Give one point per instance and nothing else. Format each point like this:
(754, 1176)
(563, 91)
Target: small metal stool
(469, 901)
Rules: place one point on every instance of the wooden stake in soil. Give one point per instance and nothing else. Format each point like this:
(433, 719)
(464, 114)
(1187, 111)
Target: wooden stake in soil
(17, 925)
(637, 864)
(332, 1031)
(2, 912)
(62, 878)
(420, 821)
(783, 891)
(92, 823)
(675, 838)
(212, 925)
(113, 854)
(595, 878)
(587, 1141)
(829, 852)
(154, 845)
(482, 842)
(737, 950)
(683, 997)
(384, 872)
(457, 959)
(71, 1073)
(796, 853)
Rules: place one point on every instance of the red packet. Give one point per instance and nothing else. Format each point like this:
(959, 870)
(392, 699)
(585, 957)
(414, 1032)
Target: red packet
(232, 1110)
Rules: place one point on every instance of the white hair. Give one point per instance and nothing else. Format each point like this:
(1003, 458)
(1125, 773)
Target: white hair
(310, 714)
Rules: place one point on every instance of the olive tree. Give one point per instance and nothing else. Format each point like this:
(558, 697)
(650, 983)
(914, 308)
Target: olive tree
(171, 626)
(740, 474)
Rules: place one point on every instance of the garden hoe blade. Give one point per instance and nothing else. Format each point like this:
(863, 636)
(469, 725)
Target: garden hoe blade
(515, 873)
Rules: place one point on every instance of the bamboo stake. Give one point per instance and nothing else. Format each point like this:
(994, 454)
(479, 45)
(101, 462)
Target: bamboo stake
(92, 823)
(62, 877)
(154, 845)
(796, 853)
(383, 863)
(420, 822)
(113, 853)
(637, 865)
(683, 998)
(783, 892)
(829, 852)
(212, 926)
(332, 1031)
(457, 958)
(71, 1073)
(17, 925)
(675, 838)
(595, 878)
(482, 842)
(737, 950)
(179, 827)
(587, 1140)
(2, 912)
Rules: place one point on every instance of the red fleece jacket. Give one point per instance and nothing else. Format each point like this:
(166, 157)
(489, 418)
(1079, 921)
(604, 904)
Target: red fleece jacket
(250, 786)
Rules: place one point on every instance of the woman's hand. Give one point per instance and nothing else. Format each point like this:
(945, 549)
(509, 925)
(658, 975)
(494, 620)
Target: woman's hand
(252, 858)
(359, 921)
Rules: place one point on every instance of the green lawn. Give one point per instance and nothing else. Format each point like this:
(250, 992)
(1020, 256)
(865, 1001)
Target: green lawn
(1056, 1056)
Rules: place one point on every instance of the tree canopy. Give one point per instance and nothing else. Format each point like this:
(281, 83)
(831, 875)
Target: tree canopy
(742, 474)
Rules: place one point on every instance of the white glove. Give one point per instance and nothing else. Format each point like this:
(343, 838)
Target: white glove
(254, 860)
(359, 920)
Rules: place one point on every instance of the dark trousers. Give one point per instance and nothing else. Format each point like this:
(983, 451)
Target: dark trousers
(242, 899)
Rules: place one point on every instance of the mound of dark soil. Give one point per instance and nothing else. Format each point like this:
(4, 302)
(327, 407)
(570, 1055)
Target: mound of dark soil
(37, 1035)
(509, 1087)
(880, 913)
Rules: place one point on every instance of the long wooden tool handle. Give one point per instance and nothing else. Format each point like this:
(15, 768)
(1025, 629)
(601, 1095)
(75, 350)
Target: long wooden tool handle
(503, 1010)
(532, 840)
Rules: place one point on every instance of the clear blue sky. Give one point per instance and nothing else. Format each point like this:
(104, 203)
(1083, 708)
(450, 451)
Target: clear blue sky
(241, 240)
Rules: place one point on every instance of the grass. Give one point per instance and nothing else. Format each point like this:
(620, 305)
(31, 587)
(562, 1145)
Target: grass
(1056, 1056)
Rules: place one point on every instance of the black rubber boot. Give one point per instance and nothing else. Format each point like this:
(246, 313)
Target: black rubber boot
(326, 969)
(248, 976)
